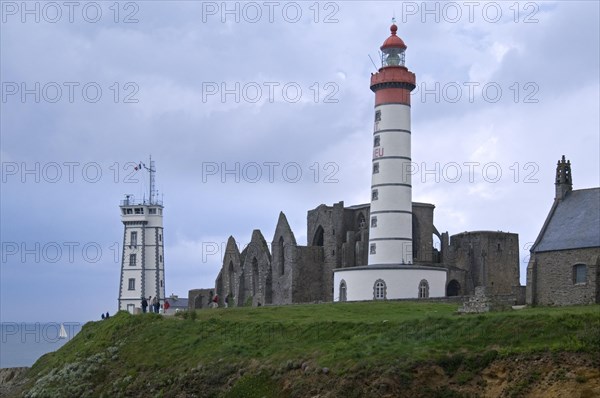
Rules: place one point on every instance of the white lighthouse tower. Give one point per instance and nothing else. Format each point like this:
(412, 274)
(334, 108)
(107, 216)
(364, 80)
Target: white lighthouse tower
(142, 264)
(390, 273)
(390, 233)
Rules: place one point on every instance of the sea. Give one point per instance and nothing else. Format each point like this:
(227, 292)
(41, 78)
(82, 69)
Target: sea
(24, 343)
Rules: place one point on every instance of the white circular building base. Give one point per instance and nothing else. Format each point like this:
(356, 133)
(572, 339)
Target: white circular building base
(388, 282)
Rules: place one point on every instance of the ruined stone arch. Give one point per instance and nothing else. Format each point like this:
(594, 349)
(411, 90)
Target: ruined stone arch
(242, 289)
(318, 239)
(361, 221)
(269, 287)
(231, 279)
(254, 276)
(453, 288)
(281, 255)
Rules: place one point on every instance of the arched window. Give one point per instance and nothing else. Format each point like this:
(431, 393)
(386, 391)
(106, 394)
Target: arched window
(579, 273)
(453, 288)
(361, 222)
(231, 278)
(254, 276)
(280, 247)
(423, 289)
(318, 239)
(343, 291)
(379, 290)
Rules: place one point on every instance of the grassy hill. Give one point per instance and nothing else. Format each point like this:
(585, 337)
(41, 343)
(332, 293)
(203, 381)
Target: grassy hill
(345, 349)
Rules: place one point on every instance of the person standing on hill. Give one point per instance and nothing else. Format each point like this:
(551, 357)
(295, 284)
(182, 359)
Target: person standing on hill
(155, 304)
(144, 305)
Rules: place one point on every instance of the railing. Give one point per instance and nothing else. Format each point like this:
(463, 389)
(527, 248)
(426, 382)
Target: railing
(145, 202)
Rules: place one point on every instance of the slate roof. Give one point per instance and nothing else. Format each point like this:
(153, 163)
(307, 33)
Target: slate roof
(573, 223)
(179, 303)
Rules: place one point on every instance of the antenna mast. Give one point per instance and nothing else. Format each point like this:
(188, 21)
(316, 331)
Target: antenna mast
(152, 170)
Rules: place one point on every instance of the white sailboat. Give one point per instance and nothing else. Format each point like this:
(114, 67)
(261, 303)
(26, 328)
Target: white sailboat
(63, 333)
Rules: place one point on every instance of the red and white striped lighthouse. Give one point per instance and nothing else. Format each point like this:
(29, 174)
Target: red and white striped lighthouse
(390, 234)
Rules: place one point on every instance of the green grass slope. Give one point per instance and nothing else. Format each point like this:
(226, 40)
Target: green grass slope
(257, 351)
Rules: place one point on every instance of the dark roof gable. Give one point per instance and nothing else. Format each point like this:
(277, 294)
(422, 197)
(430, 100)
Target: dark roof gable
(573, 223)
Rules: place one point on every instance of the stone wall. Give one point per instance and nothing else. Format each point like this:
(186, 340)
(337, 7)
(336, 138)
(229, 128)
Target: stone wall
(422, 232)
(307, 285)
(199, 298)
(256, 279)
(550, 279)
(490, 258)
(283, 261)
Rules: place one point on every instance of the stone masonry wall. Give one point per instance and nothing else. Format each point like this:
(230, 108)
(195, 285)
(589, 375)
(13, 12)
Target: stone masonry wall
(550, 277)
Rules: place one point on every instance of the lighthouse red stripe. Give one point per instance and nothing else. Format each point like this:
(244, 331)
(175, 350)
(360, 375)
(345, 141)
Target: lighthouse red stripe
(392, 95)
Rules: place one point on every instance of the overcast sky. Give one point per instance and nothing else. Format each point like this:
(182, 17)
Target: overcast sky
(277, 94)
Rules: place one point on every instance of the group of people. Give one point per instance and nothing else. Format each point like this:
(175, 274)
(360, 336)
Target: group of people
(154, 304)
(105, 316)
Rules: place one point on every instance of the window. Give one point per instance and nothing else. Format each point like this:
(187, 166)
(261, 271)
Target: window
(379, 290)
(423, 289)
(133, 239)
(131, 284)
(374, 195)
(377, 116)
(160, 258)
(377, 141)
(343, 294)
(361, 221)
(373, 249)
(132, 260)
(129, 211)
(160, 237)
(579, 274)
(281, 255)
(152, 211)
(374, 222)
(375, 168)
(254, 276)
(139, 210)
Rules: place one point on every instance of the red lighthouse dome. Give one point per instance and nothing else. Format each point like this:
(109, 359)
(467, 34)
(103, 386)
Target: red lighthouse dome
(393, 82)
(393, 41)
(393, 49)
